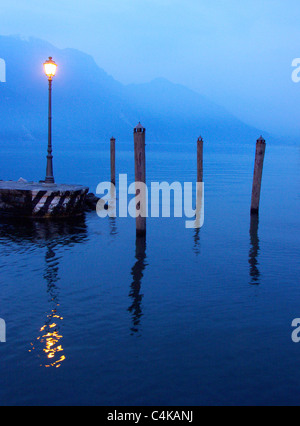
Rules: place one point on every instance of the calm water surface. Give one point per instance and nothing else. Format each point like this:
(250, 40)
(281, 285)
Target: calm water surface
(183, 317)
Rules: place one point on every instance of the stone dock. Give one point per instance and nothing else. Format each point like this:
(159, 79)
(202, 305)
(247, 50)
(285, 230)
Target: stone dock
(41, 201)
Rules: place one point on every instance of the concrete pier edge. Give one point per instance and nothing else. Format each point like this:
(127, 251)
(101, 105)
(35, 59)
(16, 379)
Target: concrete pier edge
(33, 200)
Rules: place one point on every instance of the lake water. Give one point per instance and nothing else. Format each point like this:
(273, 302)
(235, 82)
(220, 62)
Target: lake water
(184, 317)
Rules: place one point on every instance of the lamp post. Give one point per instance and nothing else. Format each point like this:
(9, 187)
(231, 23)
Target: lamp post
(50, 70)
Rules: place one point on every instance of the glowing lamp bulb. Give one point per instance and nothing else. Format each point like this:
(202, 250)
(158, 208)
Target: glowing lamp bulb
(50, 68)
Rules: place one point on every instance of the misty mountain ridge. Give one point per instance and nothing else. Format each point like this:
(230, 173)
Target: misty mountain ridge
(90, 105)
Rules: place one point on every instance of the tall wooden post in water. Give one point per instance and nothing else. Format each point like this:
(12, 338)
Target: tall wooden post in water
(200, 160)
(200, 187)
(258, 171)
(140, 176)
(113, 160)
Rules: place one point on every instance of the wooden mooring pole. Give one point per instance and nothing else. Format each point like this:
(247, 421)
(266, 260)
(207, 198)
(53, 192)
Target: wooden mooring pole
(258, 172)
(200, 185)
(140, 177)
(113, 160)
(200, 159)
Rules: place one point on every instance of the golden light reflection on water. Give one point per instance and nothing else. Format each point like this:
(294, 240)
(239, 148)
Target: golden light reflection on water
(50, 342)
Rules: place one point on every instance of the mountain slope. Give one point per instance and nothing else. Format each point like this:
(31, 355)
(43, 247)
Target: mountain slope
(88, 104)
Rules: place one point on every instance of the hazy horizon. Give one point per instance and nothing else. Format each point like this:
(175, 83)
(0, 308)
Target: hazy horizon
(247, 48)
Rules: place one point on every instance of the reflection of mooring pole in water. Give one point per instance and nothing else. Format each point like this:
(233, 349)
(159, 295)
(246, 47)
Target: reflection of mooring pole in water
(113, 226)
(197, 248)
(254, 251)
(137, 273)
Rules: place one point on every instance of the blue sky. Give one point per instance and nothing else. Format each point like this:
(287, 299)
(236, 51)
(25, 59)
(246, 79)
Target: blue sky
(238, 53)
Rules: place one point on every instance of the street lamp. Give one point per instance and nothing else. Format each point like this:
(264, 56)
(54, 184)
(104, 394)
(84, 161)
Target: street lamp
(50, 71)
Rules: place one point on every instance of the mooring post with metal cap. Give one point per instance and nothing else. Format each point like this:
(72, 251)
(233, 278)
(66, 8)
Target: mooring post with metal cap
(113, 160)
(258, 172)
(140, 176)
(200, 159)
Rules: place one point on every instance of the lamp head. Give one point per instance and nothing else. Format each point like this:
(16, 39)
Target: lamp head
(50, 68)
